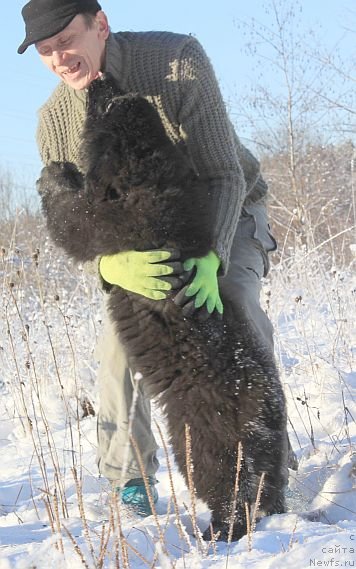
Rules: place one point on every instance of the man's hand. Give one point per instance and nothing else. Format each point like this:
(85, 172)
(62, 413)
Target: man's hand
(138, 271)
(204, 286)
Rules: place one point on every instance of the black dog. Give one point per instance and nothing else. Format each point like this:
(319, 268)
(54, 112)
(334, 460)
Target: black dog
(139, 191)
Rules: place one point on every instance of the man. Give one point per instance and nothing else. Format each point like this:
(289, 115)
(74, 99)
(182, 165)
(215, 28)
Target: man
(73, 40)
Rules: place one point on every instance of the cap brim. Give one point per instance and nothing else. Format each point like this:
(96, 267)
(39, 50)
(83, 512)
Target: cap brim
(25, 44)
(45, 34)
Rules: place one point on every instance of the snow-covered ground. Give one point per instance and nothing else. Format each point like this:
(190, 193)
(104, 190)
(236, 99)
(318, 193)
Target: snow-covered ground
(55, 512)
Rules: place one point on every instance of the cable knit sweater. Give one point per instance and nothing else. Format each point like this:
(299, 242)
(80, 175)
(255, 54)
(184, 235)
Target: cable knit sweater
(173, 72)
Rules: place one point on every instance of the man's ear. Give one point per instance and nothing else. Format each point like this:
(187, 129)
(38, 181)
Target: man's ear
(102, 24)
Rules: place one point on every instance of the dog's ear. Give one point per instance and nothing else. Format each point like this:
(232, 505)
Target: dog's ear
(101, 91)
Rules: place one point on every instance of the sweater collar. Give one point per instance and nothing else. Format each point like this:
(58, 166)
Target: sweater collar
(113, 58)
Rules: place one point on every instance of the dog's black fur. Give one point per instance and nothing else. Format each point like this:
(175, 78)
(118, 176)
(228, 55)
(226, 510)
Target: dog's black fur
(138, 191)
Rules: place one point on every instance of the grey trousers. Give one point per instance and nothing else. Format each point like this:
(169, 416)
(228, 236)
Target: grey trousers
(124, 409)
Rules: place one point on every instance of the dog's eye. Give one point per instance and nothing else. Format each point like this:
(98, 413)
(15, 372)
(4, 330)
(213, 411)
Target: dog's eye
(108, 106)
(114, 101)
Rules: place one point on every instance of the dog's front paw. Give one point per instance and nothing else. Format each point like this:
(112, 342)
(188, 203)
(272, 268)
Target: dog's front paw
(59, 177)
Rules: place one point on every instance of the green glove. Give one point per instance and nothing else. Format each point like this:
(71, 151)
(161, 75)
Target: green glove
(137, 271)
(205, 283)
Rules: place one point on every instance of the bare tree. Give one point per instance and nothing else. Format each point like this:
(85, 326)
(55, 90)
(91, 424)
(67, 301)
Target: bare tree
(299, 113)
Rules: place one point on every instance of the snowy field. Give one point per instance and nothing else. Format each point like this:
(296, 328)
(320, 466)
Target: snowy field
(56, 512)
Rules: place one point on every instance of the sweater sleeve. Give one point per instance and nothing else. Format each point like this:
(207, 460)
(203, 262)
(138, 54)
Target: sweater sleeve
(60, 123)
(212, 144)
(42, 139)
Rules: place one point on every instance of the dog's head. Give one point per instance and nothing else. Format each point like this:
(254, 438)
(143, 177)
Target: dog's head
(122, 139)
(101, 93)
(114, 118)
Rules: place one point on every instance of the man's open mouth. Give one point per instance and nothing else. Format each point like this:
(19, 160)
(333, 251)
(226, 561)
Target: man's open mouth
(73, 69)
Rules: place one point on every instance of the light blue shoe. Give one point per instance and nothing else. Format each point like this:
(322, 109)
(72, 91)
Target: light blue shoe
(134, 495)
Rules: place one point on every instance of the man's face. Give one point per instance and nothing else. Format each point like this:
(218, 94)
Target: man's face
(76, 54)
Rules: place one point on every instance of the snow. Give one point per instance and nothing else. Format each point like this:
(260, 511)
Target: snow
(57, 512)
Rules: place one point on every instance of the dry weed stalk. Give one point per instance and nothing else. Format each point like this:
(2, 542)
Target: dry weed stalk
(76, 547)
(234, 502)
(116, 546)
(33, 426)
(181, 531)
(248, 527)
(257, 501)
(75, 375)
(79, 491)
(120, 540)
(255, 509)
(148, 491)
(49, 514)
(140, 556)
(31, 486)
(252, 520)
(292, 538)
(213, 541)
(54, 521)
(34, 381)
(75, 463)
(104, 541)
(202, 546)
(236, 490)
(58, 522)
(347, 413)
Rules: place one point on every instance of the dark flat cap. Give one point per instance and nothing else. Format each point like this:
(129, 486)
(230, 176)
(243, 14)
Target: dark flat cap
(46, 18)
